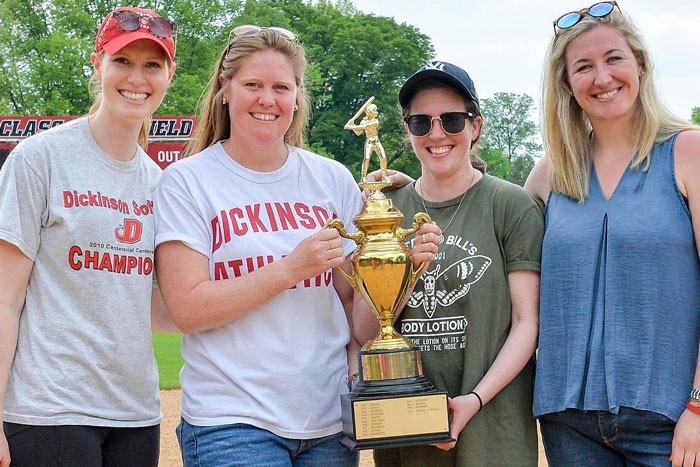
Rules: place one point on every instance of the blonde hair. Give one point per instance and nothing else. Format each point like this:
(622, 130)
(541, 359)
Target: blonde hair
(213, 121)
(566, 127)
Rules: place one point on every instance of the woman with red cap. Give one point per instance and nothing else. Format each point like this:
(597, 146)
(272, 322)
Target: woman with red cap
(78, 380)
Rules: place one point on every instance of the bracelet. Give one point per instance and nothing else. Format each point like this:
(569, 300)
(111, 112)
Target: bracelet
(693, 408)
(481, 403)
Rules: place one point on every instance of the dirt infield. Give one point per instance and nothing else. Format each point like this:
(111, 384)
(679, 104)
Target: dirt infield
(170, 452)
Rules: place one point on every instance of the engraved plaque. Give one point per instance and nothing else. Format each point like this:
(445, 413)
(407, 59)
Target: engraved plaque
(401, 416)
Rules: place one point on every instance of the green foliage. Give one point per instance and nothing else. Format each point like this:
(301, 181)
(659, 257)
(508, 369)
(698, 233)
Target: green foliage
(497, 164)
(520, 169)
(45, 54)
(695, 116)
(508, 124)
(166, 347)
(509, 144)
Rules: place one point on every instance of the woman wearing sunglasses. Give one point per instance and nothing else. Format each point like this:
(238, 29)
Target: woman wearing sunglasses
(78, 378)
(473, 313)
(618, 349)
(245, 266)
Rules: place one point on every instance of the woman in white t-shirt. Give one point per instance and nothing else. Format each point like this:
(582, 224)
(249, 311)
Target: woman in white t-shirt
(246, 268)
(78, 380)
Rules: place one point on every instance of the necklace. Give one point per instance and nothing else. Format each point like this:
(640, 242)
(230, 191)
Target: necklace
(422, 199)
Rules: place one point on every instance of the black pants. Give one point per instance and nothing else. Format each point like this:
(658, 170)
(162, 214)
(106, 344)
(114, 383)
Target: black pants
(82, 446)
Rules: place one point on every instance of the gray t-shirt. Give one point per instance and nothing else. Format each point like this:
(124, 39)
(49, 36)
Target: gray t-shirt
(84, 353)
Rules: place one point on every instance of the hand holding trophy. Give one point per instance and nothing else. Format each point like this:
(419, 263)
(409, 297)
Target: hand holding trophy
(392, 404)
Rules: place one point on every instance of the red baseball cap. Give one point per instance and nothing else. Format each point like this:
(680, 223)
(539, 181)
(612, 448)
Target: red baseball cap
(112, 38)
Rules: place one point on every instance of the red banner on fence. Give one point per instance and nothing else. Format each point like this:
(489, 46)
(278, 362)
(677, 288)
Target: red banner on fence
(167, 137)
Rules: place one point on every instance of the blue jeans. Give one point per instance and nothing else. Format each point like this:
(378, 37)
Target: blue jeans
(601, 438)
(246, 445)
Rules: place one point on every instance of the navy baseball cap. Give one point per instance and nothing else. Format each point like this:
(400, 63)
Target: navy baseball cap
(445, 72)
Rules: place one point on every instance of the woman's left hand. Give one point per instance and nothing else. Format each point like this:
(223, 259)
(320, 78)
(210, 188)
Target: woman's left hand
(686, 440)
(425, 244)
(463, 409)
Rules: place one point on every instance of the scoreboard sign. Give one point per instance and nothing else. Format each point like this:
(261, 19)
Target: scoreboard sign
(167, 137)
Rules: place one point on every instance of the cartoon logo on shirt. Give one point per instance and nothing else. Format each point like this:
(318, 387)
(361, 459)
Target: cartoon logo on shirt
(129, 231)
(467, 271)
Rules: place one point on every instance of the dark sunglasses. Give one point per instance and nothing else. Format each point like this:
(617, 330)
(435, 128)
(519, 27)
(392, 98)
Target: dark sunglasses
(250, 30)
(130, 21)
(597, 10)
(452, 123)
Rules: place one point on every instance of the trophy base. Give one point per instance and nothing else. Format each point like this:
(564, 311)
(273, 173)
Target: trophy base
(393, 413)
(417, 440)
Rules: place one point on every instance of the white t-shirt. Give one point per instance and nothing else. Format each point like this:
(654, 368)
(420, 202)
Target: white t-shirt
(84, 352)
(281, 366)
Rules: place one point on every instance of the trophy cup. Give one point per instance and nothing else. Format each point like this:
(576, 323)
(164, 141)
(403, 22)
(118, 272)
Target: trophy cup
(392, 404)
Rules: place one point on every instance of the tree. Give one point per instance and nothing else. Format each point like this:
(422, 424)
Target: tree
(497, 164)
(695, 116)
(45, 55)
(509, 143)
(520, 169)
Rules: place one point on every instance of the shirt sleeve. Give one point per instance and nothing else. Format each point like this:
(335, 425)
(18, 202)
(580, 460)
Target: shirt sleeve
(177, 217)
(352, 204)
(523, 232)
(23, 204)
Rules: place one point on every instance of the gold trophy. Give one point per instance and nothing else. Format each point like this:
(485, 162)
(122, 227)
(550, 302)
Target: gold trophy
(392, 404)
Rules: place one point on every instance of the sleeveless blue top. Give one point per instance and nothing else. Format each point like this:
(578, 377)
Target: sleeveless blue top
(620, 297)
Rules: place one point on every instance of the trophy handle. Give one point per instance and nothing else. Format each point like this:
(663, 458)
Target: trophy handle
(418, 219)
(357, 237)
(417, 272)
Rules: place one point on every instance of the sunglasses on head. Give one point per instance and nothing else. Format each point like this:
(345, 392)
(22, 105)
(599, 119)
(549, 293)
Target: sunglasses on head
(451, 123)
(130, 21)
(571, 19)
(250, 30)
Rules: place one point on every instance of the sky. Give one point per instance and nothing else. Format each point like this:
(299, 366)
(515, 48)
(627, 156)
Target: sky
(502, 43)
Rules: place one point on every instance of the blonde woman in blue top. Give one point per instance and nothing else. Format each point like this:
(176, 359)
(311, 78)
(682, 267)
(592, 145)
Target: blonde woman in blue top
(620, 296)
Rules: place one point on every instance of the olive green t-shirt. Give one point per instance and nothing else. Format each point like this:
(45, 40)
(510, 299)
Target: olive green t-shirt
(459, 314)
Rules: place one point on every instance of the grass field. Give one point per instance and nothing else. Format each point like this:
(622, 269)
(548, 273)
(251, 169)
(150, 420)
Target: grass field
(167, 350)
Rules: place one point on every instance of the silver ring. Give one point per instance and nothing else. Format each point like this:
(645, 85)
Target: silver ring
(423, 238)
